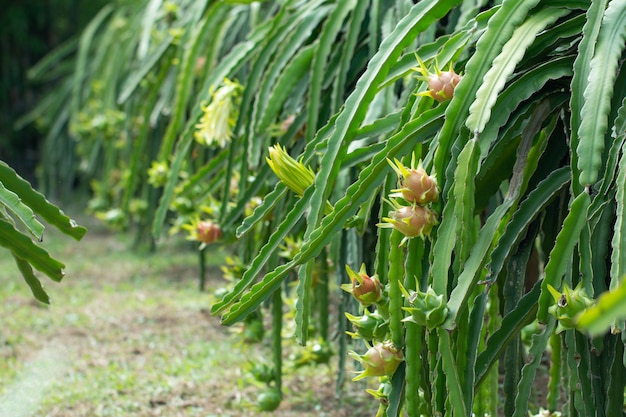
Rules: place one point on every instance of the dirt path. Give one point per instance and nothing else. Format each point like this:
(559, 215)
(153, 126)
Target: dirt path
(130, 335)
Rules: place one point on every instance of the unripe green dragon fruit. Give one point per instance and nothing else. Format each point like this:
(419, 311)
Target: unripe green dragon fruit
(269, 400)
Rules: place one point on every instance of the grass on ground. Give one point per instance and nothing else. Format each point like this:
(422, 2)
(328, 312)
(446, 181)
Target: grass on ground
(129, 334)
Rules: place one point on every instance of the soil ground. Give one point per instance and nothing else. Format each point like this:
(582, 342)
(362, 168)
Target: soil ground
(129, 334)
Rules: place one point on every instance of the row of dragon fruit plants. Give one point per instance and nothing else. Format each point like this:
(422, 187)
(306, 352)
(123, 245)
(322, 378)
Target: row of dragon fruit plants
(435, 190)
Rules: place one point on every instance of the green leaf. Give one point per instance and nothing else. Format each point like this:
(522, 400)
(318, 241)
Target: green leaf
(303, 301)
(562, 251)
(618, 252)
(48, 62)
(148, 20)
(195, 43)
(267, 64)
(292, 44)
(499, 30)
(12, 202)
(418, 130)
(528, 210)
(609, 308)
(464, 190)
(348, 51)
(471, 269)
(597, 96)
(521, 89)
(297, 68)
(504, 65)
(512, 324)
(133, 80)
(453, 384)
(535, 354)
(326, 40)
(489, 234)
(25, 249)
(84, 50)
(475, 336)
(33, 282)
(445, 239)
(593, 21)
(38, 203)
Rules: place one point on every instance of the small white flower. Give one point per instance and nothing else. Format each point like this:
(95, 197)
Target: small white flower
(545, 413)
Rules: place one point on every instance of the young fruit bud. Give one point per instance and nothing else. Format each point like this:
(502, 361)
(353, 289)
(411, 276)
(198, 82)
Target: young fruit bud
(262, 372)
(369, 326)
(411, 221)
(157, 173)
(208, 232)
(204, 231)
(367, 290)
(416, 186)
(568, 305)
(315, 352)
(379, 360)
(427, 308)
(441, 84)
(269, 400)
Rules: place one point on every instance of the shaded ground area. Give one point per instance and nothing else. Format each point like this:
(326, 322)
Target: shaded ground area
(130, 335)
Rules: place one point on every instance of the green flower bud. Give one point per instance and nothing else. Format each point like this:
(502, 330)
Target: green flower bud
(369, 326)
(294, 174)
(568, 305)
(427, 308)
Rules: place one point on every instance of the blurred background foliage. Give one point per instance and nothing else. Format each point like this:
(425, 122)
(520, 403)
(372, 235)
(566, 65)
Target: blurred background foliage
(29, 30)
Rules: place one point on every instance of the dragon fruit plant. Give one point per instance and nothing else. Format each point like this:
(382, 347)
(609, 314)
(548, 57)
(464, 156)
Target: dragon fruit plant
(469, 153)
